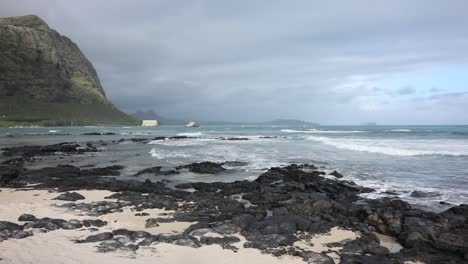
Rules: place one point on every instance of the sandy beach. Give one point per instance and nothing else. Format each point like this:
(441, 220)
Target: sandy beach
(59, 247)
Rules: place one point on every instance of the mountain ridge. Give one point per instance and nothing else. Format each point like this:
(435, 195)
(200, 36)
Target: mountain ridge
(45, 79)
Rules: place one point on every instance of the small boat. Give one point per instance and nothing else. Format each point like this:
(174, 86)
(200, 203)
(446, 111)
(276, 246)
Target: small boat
(192, 124)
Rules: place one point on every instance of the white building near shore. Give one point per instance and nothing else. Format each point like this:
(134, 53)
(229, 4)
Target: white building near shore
(150, 123)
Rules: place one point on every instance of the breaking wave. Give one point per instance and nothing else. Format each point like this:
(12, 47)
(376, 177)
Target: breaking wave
(318, 131)
(450, 147)
(192, 134)
(401, 130)
(164, 154)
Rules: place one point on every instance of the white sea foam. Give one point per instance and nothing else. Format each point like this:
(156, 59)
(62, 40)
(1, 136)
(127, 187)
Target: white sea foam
(192, 134)
(291, 131)
(401, 130)
(54, 131)
(182, 143)
(165, 154)
(394, 147)
(318, 131)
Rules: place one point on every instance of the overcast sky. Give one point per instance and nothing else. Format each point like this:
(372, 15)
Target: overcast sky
(332, 62)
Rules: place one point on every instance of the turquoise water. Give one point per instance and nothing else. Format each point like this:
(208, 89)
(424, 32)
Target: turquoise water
(399, 159)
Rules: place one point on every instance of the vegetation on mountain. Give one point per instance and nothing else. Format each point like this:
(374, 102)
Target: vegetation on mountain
(46, 80)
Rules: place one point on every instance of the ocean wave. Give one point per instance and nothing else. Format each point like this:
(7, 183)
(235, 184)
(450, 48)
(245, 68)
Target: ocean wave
(318, 131)
(165, 154)
(291, 131)
(192, 134)
(401, 130)
(181, 143)
(459, 133)
(398, 147)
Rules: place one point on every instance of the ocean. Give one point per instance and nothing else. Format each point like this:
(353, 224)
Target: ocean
(394, 160)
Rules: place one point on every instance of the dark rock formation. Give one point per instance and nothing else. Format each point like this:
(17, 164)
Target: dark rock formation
(204, 167)
(70, 196)
(336, 174)
(156, 171)
(31, 151)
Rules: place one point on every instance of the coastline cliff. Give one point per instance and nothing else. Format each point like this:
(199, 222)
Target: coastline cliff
(45, 79)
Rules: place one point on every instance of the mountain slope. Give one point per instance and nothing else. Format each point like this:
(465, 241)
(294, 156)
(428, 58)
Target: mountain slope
(45, 79)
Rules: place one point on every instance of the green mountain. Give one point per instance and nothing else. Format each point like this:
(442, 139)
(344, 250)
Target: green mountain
(46, 80)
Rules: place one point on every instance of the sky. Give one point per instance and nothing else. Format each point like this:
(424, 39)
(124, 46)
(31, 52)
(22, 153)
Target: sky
(331, 62)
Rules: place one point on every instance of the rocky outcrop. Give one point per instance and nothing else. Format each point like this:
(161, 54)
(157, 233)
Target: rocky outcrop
(38, 65)
(276, 213)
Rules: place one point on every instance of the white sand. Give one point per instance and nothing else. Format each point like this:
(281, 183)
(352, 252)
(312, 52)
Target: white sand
(58, 246)
(389, 242)
(318, 242)
(40, 204)
(128, 220)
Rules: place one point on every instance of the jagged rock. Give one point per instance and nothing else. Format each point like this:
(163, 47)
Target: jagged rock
(131, 247)
(336, 174)
(98, 237)
(182, 137)
(122, 232)
(354, 259)
(159, 138)
(21, 234)
(72, 224)
(455, 242)
(27, 218)
(151, 222)
(109, 245)
(316, 258)
(219, 240)
(204, 167)
(31, 151)
(226, 229)
(270, 240)
(8, 229)
(187, 242)
(94, 222)
(124, 239)
(99, 134)
(69, 196)
(140, 234)
(142, 214)
(156, 171)
(148, 241)
(235, 163)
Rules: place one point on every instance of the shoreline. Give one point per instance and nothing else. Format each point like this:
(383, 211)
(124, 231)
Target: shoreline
(290, 214)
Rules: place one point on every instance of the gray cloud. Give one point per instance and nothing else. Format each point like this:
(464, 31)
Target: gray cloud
(254, 60)
(406, 90)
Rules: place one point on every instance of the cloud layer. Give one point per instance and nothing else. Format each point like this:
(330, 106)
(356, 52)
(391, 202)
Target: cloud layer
(331, 62)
